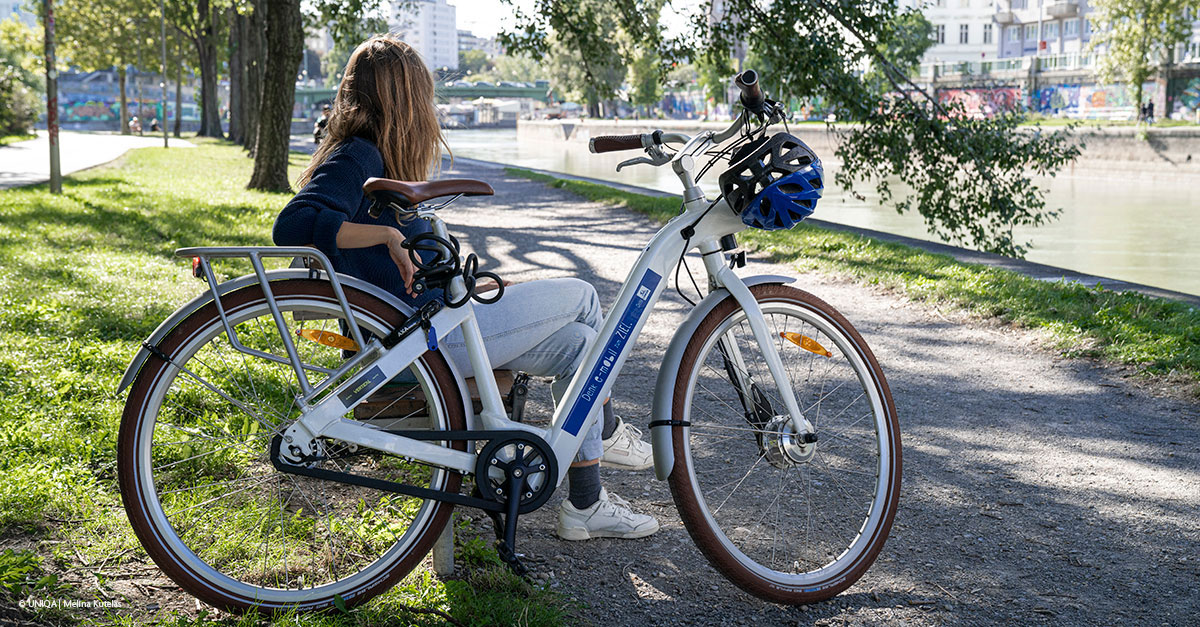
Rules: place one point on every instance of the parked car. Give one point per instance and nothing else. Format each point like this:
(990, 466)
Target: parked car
(483, 84)
(510, 84)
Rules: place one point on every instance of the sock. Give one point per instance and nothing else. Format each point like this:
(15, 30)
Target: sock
(610, 421)
(584, 487)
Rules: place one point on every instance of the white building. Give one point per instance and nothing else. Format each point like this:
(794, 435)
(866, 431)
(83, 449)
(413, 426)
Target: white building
(16, 8)
(430, 27)
(962, 29)
(469, 41)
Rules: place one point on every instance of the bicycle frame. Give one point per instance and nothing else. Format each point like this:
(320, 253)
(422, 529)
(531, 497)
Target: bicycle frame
(322, 408)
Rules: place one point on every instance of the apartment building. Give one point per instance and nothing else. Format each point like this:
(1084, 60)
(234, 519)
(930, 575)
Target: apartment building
(430, 26)
(963, 30)
(1054, 27)
(1042, 27)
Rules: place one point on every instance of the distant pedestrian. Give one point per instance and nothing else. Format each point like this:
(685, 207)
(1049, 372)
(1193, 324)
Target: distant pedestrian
(135, 126)
(1150, 112)
(319, 127)
(154, 125)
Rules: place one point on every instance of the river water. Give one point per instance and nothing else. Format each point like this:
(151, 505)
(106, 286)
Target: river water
(1119, 227)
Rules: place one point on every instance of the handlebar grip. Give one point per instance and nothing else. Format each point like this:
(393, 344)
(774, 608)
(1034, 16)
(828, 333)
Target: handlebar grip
(752, 96)
(612, 143)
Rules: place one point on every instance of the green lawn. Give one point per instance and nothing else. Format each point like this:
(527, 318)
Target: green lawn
(19, 137)
(84, 278)
(1160, 338)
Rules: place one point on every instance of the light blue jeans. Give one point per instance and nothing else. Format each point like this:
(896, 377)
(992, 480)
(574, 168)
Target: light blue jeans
(542, 328)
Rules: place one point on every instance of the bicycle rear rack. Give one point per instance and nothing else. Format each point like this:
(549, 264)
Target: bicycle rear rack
(203, 257)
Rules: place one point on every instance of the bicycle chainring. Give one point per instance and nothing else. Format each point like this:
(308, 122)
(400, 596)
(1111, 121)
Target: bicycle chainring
(522, 455)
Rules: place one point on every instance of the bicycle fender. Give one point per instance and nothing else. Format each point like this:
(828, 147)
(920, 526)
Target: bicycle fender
(195, 304)
(664, 389)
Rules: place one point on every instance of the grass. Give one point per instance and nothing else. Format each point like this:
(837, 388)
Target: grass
(1159, 338)
(18, 137)
(84, 277)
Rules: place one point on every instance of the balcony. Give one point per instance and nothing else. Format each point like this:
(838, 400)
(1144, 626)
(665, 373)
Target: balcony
(1063, 8)
(1004, 17)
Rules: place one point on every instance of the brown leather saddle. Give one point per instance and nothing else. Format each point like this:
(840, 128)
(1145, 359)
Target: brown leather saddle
(408, 194)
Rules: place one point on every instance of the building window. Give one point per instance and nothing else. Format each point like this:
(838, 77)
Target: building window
(1071, 28)
(1030, 32)
(939, 33)
(1050, 30)
(1014, 33)
(964, 33)
(987, 33)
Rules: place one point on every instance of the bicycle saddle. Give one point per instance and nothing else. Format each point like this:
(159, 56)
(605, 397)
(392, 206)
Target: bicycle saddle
(415, 193)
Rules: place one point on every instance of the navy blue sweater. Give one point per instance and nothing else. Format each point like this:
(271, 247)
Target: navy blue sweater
(335, 195)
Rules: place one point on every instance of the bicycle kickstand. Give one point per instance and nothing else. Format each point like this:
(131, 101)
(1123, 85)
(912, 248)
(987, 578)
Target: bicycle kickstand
(506, 527)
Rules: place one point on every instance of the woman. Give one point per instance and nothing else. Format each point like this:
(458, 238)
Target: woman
(384, 124)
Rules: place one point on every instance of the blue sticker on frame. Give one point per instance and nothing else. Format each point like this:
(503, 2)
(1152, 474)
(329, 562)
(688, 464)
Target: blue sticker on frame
(612, 351)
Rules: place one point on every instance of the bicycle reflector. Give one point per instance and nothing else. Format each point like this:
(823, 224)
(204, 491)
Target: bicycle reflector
(805, 342)
(328, 338)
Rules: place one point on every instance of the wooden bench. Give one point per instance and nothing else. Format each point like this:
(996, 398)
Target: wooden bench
(399, 401)
(400, 404)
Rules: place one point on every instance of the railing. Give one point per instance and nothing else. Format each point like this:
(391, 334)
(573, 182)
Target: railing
(1065, 61)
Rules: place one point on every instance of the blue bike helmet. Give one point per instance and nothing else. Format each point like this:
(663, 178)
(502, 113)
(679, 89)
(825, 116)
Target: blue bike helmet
(773, 182)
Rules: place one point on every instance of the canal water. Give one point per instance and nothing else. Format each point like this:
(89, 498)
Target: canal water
(1143, 231)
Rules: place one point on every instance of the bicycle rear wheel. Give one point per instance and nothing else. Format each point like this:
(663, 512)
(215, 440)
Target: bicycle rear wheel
(786, 521)
(200, 489)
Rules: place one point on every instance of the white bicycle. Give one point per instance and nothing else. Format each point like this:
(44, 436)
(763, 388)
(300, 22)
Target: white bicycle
(260, 469)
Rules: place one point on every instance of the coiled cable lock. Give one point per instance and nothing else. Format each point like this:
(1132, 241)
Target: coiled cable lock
(447, 264)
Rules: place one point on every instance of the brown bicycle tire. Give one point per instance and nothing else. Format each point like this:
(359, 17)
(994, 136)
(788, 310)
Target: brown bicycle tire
(129, 471)
(689, 503)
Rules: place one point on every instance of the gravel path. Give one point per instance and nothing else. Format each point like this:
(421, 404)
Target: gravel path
(28, 162)
(1036, 489)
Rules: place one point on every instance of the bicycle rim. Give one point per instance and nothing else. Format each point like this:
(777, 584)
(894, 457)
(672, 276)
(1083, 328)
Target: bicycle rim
(203, 495)
(785, 522)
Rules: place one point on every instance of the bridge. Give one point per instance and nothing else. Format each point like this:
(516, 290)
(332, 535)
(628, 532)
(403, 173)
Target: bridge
(309, 98)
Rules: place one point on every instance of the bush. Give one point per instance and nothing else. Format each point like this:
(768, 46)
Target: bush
(18, 104)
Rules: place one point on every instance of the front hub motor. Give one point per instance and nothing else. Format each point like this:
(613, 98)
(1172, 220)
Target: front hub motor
(784, 447)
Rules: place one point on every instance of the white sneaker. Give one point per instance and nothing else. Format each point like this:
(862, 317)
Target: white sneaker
(609, 517)
(626, 450)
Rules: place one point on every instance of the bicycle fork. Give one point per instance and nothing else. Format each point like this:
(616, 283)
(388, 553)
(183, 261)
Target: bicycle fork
(758, 408)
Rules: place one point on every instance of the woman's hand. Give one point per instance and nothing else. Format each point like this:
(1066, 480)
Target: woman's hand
(403, 261)
(490, 287)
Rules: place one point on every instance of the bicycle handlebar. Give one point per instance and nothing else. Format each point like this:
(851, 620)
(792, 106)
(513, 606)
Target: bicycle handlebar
(752, 96)
(613, 143)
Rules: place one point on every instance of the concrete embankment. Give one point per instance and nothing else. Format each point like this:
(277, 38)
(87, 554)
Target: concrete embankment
(1107, 149)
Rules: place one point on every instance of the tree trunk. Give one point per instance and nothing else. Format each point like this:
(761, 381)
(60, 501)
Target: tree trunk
(285, 48)
(253, 32)
(178, 91)
(206, 52)
(124, 112)
(236, 128)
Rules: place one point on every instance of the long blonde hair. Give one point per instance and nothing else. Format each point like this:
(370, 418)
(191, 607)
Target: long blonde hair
(386, 95)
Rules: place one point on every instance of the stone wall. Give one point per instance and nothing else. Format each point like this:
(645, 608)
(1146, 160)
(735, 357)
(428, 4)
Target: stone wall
(1107, 149)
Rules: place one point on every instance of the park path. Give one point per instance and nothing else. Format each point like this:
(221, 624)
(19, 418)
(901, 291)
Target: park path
(28, 162)
(1036, 489)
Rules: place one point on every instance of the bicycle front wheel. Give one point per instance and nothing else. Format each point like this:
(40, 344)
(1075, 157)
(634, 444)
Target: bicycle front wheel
(203, 496)
(785, 520)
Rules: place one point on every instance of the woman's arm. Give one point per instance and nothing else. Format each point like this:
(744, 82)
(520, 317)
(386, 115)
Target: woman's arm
(354, 235)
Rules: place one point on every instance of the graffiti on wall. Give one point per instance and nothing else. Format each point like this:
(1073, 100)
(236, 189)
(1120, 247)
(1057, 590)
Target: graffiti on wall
(1190, 96)
(1088, 101)
(89, 108)
(983, 101)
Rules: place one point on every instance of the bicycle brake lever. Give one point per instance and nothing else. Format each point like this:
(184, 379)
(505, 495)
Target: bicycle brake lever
(657, 157)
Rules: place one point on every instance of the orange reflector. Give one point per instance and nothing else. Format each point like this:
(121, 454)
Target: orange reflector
(805, 342)
(328, 338)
